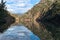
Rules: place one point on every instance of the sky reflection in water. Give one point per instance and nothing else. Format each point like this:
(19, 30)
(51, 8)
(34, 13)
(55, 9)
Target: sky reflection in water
(18, 33)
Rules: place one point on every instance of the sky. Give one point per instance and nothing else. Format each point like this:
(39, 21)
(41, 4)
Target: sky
(20, 6)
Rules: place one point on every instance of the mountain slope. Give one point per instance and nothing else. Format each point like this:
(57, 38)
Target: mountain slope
(39, 8)
(48, 13)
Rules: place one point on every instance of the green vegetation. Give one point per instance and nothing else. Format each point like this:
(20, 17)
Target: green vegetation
(51, 20)
(49, 17)
(5, 18)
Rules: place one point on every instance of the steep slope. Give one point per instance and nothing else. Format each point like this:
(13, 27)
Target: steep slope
(39, 8)
(47, 12)
(5, 18)
(51, 20)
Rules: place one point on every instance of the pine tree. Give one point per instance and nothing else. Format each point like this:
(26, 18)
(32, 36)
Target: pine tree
(2, 4)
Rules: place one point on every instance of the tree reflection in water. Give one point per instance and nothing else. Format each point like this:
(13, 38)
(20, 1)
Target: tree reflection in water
(39, 30)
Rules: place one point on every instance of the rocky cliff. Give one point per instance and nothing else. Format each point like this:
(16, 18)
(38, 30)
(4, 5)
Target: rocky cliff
(39, 8)
(47, 12)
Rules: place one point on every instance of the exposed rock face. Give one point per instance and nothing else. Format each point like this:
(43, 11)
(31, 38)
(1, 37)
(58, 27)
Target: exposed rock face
(51, 20)
(49, 17)
(39, 8)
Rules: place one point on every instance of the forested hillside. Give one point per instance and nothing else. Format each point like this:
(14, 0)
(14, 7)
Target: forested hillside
(47, 12)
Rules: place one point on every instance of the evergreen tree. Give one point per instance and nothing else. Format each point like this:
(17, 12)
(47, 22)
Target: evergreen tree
(2, 4)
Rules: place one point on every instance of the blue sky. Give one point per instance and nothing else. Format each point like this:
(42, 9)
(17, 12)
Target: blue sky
(20, 6)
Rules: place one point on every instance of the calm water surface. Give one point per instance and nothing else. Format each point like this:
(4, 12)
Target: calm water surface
(28, 31)
(18, 32)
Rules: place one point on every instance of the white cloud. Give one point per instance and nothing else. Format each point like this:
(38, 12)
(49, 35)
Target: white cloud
(11, 10)
(18, 6)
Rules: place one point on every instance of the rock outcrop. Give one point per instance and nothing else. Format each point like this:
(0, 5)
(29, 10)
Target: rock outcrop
(49, 16)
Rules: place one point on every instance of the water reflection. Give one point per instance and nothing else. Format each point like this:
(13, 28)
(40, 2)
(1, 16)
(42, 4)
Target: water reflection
(18, 33)
(29, 31)
(39, 30)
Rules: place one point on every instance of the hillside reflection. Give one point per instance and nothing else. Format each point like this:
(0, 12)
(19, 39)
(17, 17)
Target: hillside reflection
(46, 30)
(38, 29)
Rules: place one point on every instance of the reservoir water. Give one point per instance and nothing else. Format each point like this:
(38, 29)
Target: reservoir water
(18, 32)
(30, 31)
